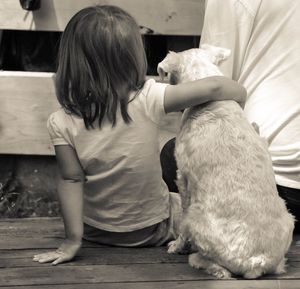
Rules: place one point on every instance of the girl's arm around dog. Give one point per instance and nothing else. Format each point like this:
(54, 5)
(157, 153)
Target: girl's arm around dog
(214, 88)
(70, 194)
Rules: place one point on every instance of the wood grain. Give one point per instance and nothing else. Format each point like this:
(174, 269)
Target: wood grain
(26, 99)
(93, 274)
(199, 284)
(172, 17)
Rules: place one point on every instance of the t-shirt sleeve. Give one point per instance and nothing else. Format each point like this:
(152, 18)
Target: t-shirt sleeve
(153, 97)
(55, 130)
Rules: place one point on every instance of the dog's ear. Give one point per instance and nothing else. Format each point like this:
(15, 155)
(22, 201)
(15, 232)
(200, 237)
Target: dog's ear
(217, 54)
(168, 65)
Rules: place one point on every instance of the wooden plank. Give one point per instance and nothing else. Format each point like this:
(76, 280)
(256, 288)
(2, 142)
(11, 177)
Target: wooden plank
(45, 275)
(42, 243)
(100, 254)
(207, 284)
(172, 17)
(102, 251)
(30, 226)
(38, 241)
(282, 284)
(62, 274)
(33, 233)
(27, 99)
(103, 256)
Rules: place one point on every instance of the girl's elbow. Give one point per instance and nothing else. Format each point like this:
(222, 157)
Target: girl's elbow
(217, 87)
(241, 96)
(230, 89)
(244, 94)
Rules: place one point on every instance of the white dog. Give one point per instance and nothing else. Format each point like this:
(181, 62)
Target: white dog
(233, 216)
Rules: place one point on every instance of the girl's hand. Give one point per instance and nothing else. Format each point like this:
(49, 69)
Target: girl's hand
(64, 253)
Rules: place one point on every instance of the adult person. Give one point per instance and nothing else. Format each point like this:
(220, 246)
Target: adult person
(263, 37)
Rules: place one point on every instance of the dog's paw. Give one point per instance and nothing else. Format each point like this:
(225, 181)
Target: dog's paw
(199, 262)
(172, 247)
(195, 261)
(219, 272)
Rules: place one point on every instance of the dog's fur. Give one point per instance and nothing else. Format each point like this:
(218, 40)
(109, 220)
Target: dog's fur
(233, 216)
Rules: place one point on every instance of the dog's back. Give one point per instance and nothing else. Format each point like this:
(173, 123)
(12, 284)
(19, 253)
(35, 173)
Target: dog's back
(233, 213)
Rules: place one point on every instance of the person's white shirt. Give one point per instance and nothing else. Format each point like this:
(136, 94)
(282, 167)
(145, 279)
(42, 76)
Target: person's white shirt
(263, 37)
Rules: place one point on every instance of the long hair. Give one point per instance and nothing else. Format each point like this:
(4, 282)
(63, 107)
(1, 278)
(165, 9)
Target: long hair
(101, 60)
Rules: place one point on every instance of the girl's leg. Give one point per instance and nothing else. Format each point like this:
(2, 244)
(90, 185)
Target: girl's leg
(169, 229)
(292, 199)
(168, 164)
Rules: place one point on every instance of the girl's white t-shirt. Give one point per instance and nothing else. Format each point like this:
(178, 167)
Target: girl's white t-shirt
(124, 190)
(263, 37)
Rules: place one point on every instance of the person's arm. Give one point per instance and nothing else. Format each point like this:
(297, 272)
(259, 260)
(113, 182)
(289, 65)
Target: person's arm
(214, 88)
(70, 194)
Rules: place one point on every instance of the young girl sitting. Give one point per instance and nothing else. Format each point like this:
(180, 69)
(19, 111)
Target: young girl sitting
(105, 135)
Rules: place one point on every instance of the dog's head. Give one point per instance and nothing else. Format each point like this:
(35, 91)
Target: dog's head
(192, 64)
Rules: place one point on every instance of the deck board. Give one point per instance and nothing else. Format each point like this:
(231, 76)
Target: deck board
(106, 267)
(261, 284)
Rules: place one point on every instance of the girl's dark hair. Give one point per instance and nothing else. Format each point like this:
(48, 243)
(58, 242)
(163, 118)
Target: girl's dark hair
(101, 59)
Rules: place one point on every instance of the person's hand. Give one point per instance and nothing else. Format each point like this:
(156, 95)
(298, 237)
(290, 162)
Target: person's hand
(64, 253)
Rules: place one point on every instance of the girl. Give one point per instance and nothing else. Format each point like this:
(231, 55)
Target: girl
(106, 134)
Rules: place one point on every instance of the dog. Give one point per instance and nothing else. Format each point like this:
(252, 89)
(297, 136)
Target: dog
(233, 217)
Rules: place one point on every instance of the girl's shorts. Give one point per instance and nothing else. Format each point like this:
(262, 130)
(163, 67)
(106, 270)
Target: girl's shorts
(155, 235)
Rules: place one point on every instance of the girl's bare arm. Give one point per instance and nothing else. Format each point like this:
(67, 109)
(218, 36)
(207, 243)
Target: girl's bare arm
(70, 194)
(70, 191)
(214, 88)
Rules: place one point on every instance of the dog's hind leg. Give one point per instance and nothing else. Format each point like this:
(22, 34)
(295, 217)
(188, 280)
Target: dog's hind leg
(182, 184)
(196, 260)
(280, 269)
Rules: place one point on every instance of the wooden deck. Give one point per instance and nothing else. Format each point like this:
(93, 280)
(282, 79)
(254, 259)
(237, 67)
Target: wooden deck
(111, 268)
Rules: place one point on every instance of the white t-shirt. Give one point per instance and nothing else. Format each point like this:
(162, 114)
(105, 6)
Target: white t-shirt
(263, 37)
(124, 190)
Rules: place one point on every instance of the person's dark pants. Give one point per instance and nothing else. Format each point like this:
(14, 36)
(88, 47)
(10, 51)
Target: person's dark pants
(169, 168)
(292, 199)
(168, 165)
